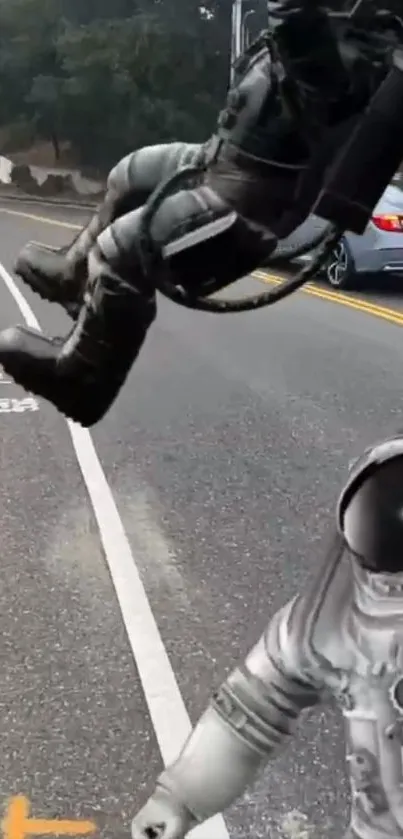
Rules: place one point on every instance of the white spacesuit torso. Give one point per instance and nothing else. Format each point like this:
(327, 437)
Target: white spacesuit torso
(347, 637)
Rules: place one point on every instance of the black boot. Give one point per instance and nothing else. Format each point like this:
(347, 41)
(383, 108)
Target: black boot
(46, 271)
(60, 274)
(82, 374)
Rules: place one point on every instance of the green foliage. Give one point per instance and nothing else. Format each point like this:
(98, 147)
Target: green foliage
(112, 75)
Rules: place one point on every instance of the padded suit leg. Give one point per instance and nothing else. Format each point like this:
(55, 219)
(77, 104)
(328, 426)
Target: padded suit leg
(60, 275)
(82, 374)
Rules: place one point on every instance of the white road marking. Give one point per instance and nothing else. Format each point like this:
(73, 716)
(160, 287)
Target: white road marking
(13, 405)
(164, 700)
(18, 406)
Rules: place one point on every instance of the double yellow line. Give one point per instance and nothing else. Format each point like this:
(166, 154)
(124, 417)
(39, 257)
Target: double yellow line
(385, 313)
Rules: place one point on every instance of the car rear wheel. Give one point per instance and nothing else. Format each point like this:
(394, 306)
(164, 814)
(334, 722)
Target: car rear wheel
(339, 271)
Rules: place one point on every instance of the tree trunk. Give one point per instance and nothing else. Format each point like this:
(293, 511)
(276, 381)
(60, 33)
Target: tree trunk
(56, 146)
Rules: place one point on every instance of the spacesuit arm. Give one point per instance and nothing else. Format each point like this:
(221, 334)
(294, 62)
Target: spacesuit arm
(251, 715)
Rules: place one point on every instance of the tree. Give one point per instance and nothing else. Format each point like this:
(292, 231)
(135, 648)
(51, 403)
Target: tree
(110, 75)
(29, 65)
(131, 82)
(46, 100)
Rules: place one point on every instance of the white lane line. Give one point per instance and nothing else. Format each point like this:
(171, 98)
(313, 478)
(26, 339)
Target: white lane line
(164, 700)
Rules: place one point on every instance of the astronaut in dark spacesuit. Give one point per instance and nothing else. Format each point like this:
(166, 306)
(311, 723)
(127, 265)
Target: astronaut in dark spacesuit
(298, 83)
(343, 638)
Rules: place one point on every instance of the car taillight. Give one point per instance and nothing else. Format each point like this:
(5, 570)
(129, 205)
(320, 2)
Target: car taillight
(393, 223)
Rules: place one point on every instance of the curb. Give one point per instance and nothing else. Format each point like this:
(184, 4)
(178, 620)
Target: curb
(53, 202)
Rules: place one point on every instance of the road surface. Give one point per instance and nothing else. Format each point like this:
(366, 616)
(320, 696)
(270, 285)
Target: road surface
(224, 455)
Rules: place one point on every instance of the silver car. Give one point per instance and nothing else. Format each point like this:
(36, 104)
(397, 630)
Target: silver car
(378, 251)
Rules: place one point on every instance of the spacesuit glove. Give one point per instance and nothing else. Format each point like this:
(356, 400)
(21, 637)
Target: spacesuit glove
(162, 817)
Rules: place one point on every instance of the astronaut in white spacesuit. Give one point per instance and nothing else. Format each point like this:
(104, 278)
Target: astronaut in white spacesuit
(343, 638)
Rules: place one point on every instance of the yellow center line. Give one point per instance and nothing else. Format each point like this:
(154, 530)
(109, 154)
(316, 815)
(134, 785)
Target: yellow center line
(43, 219)
(336, 296)
(391, 315)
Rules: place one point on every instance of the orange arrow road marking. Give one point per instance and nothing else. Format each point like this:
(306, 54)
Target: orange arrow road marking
(17, 824)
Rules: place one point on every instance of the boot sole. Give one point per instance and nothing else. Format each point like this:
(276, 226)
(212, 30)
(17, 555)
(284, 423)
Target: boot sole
(30, 278)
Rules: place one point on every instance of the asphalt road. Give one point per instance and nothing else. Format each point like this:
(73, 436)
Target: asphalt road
(224, 454)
